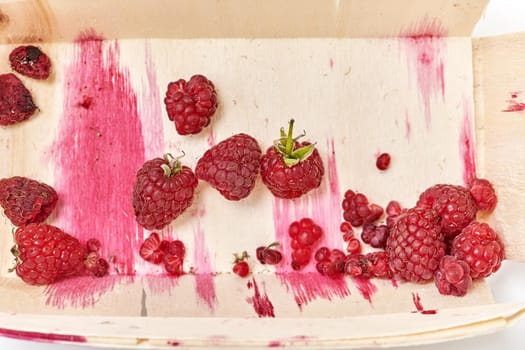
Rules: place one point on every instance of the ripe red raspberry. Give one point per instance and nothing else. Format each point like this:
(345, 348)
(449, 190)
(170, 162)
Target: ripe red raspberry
(484, 194)
(480, 247)
(358, 211)
(453, 276)
(231, 166)
(374, 235)
(269, 255)
(330, 263)
(454, 204)
(16, 103)
(30, 61)
(304, 233)
(383, 161)
(26, 201)
(322, 254)
(163, 190)
(191, 104)
(415, 245)
(290, 168)
(45, 254)
(240, 265)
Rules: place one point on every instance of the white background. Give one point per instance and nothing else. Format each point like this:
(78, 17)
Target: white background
(501, 16)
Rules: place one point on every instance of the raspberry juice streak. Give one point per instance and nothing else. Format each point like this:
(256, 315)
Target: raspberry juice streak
(467, 144)
(261, 303)
(98, 149)
(204, 283)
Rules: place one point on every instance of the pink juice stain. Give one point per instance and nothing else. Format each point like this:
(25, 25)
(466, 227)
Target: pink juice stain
(416, 299)
(467, 144)
(408, 127)
(365, 287)
(323, 206)
(204, 282)
(513, 105)
(425, 48)
(260, 302)
(98, 149)
(41, 337)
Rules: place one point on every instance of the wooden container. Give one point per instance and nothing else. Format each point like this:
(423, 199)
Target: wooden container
(361, 77)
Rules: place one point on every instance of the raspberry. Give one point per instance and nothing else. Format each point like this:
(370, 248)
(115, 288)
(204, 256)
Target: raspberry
(46, 254)
(30, 61)
(415, 245)
(101, 268)
(358, 211)
(393, 210)
(337, 257)
(304, 233)
(330, 263)
(191, 104)
(240, 266)
(383, 161)
(326, 268)
(174, 247)
(484, 194)
(453, 276)
(480, 247)
(16, 103)
(163, 190)
(322, 254)
(26, 201)
(290, 168)
(354, 246)
(173, 264)
(231, 166)
(151, 250)
(374, 235)
(454, 204)
(368, 265)
(356, 265)
(268, 255)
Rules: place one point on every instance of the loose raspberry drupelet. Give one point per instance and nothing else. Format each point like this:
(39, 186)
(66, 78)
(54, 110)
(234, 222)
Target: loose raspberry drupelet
(290, 168)
(191, 104)
(163, 190)
(454, 204)
(480, 247)
(415, 245)
(231, 166)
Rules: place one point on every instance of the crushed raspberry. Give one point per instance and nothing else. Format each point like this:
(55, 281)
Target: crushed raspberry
(353, 246)
(358, 211)
(304, 233)
(453, 276)
(484, 194)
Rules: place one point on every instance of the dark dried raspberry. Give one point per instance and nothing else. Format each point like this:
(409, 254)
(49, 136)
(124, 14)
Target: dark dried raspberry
(16, 103)
(231, 166)
(30, 61)
(484, 194)
(415, 245)
(191, 104)
(26, 200)
(358, 211)
(453, 276)
(374, 235)
(454, 204)
(480, 247)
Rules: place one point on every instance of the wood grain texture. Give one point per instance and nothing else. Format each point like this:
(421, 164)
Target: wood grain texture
(61, 20)
(499, 65)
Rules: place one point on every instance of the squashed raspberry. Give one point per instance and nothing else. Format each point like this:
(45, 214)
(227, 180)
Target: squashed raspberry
(453, 276)
(374, 235)
(16, 102)
(30, 61)
(358, 211)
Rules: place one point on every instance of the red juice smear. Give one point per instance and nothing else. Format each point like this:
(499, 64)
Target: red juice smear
(408, 127)
(41, 337)
(275, 344)
(467, 143)
(331, 63)
(365, 287)
(419, 307)
(81, 292)
(162, 283)
(96, 154)
(261, 303)
(204, 283)
(425, 48)
(513, 104)
(320, 205)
